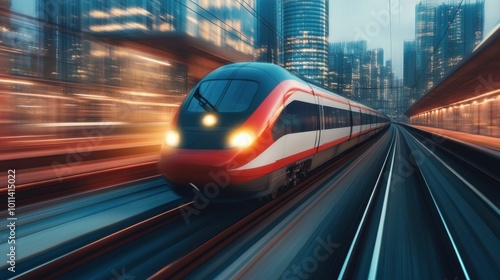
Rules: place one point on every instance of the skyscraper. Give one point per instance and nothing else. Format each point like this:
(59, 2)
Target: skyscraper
(444, 34)
(268, 33)
(409, 63)
(425, 21)
(360, 74)
(305, 25)
(345, 64)
(459, 29)
(376, 84)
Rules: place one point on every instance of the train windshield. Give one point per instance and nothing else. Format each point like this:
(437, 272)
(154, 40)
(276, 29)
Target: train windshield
(224, 96)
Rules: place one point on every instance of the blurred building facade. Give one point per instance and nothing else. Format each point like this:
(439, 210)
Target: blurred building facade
(227, 24)
(116, 61)
(5, 31)
(191, 36)
(306, 31)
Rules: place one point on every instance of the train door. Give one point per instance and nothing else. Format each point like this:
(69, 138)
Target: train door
(370, 121)
(320, 118)
(350, 119)
(356, 121)
(301, 118)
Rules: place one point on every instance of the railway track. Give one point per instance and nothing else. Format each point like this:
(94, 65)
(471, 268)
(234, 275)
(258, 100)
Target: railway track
(182, 267)
(59, 267)
(31, 193)
(466, 206)
(406, 199)
(76, 258)
(413, 217)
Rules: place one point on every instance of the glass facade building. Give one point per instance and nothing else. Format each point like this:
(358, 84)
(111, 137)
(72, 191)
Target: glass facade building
(445, 34)
(360, 74)
(461, 28)
(409, 63)
(345, 62)
(425, 21)
(305, 27)
(269, 31)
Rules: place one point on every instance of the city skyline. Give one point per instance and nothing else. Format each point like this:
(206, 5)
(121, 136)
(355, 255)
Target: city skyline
(351, 21)
(367, 20)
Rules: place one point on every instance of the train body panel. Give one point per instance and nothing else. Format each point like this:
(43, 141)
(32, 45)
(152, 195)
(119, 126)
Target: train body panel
(249, 128)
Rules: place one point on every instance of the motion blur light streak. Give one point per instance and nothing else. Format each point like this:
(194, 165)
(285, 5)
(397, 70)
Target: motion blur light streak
(104, 124)
(15, 82)
(378, 243)
(153, 60)
(146, 94)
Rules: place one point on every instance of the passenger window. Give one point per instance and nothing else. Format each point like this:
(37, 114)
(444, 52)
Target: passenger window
(335, 117)
(296, 117)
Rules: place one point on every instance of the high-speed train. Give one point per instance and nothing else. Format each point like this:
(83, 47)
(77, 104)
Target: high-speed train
(247, 129)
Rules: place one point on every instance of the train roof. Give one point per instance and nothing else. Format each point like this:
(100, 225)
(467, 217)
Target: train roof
(262, 72)
(270, 75)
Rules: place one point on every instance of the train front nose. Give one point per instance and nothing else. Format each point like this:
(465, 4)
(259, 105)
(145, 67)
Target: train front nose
(210, 132)
(201, 156)
(198, 167)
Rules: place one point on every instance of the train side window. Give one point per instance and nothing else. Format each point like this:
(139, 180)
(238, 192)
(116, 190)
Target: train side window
(296, 117)
(304, 116)
(330, 117)
(327, 117)
(279, 128)
(335, 118)
(356, 118)
(342, 121)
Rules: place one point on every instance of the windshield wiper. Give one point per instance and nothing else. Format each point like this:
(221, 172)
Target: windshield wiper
(204, 103)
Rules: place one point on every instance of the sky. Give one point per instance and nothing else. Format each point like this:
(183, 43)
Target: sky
(352, 20)
(24, 6)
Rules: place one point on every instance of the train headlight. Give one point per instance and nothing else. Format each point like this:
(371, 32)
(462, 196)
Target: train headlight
(241, 139)
(172, 138)
(209, 120)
